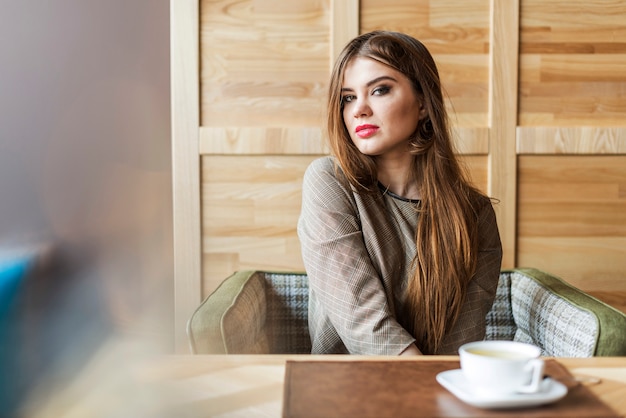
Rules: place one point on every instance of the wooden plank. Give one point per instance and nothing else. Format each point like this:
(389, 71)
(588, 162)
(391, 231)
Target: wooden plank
(583, 67)
(573, 218)
(574, 14)
(589, 263)
(305, 141)
(476, 167)
(471, 141)
(242, 141)
(575, 169)
(503, 120)
(571, 140)
(185, 165)
(465, 13)
(344, 25)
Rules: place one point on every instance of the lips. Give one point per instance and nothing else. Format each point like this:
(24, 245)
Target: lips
(365, 131)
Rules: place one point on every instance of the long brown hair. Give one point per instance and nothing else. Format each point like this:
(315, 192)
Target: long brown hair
(446, 235)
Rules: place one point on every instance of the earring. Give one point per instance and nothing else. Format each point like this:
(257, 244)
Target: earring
(425, 130)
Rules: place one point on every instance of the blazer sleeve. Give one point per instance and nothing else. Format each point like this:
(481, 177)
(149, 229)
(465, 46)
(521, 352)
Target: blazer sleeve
(345, 287)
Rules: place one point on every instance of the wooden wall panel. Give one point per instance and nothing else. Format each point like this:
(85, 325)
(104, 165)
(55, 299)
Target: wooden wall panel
(573, 56)
(572, 218)
(251, 206)
(264, 62)
(591, 140)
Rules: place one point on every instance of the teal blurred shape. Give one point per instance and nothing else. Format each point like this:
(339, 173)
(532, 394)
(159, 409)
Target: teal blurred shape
(14, 268)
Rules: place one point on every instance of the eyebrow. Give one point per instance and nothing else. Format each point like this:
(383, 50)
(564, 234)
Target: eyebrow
(372, 82)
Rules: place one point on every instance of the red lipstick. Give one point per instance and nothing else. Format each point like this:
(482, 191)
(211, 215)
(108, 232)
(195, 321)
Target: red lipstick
(365, 131)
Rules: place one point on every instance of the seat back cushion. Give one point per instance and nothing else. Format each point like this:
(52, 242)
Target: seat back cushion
(546, 319)
(500, 324)
(287, 327)
(563, 320)
(232, 319)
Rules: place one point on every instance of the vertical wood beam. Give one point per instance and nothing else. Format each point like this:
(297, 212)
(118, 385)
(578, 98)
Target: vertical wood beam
(503, 102)
(184, 55)
(344, 25)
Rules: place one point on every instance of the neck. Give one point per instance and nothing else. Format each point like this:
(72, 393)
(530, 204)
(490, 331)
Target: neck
(395, 176)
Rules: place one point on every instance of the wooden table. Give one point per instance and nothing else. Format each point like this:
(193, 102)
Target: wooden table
(249, 386)
(246, 386)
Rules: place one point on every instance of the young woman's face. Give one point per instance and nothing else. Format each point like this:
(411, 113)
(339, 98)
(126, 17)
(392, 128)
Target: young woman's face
(380, 108)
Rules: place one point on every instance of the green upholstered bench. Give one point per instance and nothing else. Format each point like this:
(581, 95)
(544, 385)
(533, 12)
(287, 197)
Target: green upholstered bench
(255, 312)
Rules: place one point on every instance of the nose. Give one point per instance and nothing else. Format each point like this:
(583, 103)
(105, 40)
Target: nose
(362, 108)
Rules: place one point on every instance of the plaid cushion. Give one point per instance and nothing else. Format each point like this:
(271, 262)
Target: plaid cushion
(500, 321)
(286, 324)
(547, 320)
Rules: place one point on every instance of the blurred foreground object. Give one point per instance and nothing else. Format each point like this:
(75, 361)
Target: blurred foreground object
(16, 263)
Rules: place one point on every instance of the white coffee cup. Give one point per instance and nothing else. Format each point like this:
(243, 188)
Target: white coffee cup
(502, 367)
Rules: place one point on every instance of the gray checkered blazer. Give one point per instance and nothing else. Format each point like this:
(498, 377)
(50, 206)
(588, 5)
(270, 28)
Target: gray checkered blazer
(357, 251)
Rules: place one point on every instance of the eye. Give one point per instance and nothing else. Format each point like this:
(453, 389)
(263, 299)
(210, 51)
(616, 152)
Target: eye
(346, 99)
(381, 90)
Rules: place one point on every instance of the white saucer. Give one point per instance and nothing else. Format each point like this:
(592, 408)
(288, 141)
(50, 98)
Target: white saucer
(454, 381)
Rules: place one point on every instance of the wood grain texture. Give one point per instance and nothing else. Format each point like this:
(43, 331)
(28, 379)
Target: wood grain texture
(572, 218)
(275, 140)
(571, 140)
(503, 121)
(263, 62)
(251, 207)
(344, 25)
(477, 169)
(338, 388)
(573, 55)
(185, 164)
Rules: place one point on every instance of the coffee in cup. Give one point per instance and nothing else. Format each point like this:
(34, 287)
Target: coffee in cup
(502, 367)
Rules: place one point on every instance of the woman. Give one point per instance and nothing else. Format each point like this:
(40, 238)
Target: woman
(403, 254)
